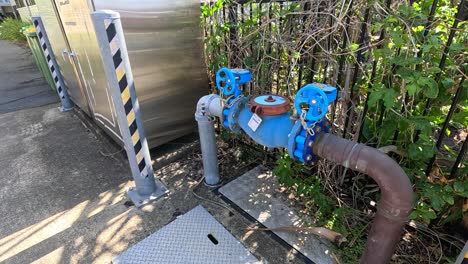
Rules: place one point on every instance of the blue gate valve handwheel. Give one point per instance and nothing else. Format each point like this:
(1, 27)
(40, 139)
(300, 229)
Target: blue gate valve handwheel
(227, 76)
(315, 98)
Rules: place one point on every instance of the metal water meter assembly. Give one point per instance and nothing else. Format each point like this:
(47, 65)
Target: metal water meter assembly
(267, 118)
(301, 127)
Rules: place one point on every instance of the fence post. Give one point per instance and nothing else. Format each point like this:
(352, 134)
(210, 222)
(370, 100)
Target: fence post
(114, 54)
(67, 104)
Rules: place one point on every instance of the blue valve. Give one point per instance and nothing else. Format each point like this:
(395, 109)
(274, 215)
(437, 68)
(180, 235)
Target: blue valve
(226, 76)
(229, 80)
(316, 100)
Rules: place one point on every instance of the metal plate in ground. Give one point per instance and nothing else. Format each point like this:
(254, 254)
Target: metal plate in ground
(186, 240)
(257, 193)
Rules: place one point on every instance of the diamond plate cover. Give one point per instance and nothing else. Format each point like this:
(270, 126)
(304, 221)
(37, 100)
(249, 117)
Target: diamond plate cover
(186, 240)
(256, 192)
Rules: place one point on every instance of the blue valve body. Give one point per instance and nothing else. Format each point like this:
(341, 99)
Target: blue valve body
(272, 132)
(229, 81)
(278, 130)
(317, 97)
(242, 76)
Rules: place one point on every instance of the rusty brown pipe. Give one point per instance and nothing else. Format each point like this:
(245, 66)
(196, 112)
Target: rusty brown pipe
(396, 202)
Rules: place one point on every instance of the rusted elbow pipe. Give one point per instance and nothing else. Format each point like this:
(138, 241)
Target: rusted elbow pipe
(396, 202)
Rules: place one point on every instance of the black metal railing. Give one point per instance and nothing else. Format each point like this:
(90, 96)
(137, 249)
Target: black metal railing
(336, 44)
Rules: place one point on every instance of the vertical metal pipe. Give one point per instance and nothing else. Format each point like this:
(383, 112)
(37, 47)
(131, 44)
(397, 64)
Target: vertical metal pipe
(118, 71)
(209, 153)
(208, 107)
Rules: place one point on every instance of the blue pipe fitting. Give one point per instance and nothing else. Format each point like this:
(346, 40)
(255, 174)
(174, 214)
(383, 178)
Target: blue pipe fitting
(229, 81)
(315, 98)
(277, 130)
(231, 114)
(272, 132)
(307, 154)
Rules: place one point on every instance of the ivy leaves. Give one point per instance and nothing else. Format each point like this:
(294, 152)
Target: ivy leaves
(388, 96)
(208, 10)
(437, 198)
(422, 150)
(416, 82)
(427, 85)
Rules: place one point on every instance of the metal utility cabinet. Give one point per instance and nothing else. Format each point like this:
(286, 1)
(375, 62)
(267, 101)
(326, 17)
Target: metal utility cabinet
(164, 42)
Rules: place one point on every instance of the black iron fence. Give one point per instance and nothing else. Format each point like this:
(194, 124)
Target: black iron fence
(399, 66)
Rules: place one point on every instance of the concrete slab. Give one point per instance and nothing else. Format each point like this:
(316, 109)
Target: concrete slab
(22, 85)
(63, 195)
(256, 192)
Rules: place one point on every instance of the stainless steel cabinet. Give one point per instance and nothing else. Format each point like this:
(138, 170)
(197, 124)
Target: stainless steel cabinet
(164, 41)
(61, 48)
(84, 49)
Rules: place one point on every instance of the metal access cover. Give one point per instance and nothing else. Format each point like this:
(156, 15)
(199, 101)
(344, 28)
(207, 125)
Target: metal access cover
(195, 237)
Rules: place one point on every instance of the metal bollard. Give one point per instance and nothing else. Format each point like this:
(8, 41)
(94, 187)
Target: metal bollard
(114, 54)
(67, 104)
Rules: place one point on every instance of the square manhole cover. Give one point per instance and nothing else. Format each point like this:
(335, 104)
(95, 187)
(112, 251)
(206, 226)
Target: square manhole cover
(195, 237)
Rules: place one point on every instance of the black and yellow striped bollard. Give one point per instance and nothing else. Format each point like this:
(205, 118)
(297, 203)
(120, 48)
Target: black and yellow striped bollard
(114, 54)
(67, 104)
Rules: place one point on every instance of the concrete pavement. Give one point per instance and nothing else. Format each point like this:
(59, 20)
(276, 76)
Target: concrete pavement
(21, 84)
(63, 185)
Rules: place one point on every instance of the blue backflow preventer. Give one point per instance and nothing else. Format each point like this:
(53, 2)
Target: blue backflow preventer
(267, 119)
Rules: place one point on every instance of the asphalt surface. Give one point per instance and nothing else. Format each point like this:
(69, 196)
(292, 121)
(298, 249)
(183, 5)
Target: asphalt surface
(21, 84)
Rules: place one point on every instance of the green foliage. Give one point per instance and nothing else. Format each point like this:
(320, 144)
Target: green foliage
(10, 29)
(436, 198)
(398, 97)
(324, 209)
(352, 253)
(407, 77)
(290, 174)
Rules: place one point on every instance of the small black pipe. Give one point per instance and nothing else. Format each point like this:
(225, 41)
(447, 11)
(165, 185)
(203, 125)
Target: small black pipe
(371, 82)
(341, 61)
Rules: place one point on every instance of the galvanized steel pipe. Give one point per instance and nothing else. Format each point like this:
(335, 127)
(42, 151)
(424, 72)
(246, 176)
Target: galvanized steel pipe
(396, 202)
(208, 107)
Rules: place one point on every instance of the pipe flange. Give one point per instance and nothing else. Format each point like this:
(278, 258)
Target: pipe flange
(300, 144)
(295, 131)
(321, 127)
(232, 116)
